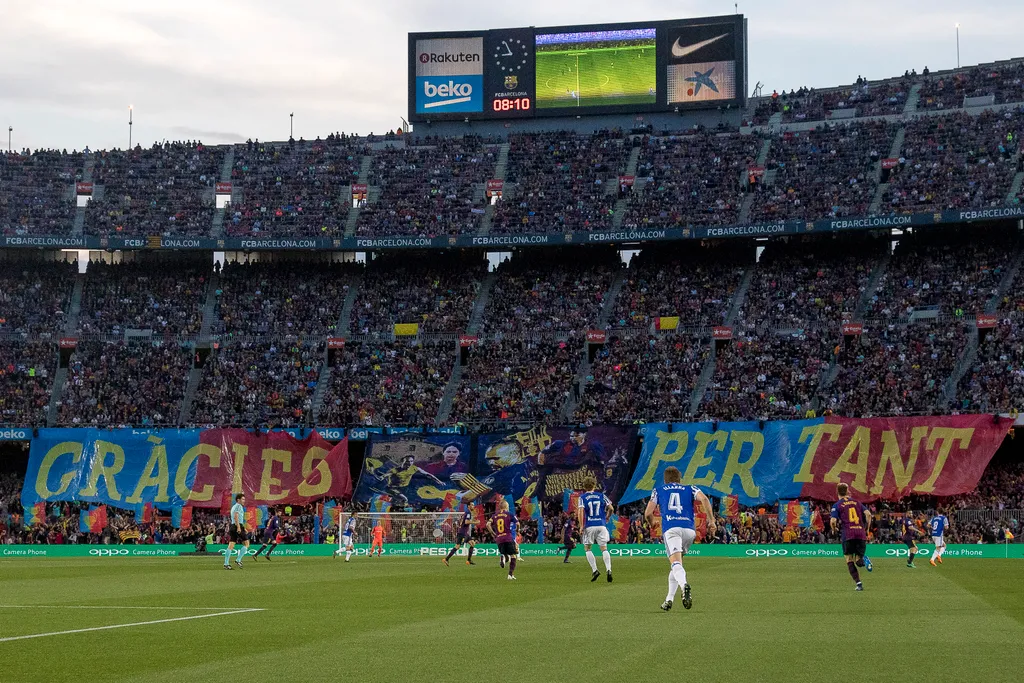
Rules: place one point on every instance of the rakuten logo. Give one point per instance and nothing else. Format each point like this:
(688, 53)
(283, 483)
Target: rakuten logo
(448, 57)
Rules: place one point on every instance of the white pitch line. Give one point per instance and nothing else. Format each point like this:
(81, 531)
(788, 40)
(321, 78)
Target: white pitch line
(137, 623)
(190, 609)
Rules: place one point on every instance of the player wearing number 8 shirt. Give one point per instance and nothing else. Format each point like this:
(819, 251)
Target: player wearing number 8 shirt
(675, 501)
(853, 520)
(500, 526)
(592, 515)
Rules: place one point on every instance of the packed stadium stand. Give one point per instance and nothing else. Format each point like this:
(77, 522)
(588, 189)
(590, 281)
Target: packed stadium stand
(758, 326)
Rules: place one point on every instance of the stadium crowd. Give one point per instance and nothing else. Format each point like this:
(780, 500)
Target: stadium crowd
(37, 192)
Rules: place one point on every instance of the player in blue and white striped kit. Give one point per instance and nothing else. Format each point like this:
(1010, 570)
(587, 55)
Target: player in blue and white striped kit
(676, 503)
(348, 538)
(937, 527)
(592, 514)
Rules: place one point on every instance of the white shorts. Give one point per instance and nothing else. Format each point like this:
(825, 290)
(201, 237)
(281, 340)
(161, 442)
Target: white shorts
(939, 541)
(595, 535)
(347, 541)
(678, 540)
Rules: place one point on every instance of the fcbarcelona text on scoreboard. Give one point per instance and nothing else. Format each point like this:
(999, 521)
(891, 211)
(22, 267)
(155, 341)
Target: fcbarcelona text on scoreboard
(575, 70)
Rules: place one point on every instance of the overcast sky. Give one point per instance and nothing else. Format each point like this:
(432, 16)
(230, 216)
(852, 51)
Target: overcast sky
(226, 70)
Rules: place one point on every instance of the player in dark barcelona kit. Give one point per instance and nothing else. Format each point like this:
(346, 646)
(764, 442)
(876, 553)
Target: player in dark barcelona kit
(909, 537)
(853, 520)
(500, 526)
(464, 537)
(270, 535)
(567, 542)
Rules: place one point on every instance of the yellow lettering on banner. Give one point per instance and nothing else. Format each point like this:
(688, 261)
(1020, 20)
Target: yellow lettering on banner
(947, 435)
(270, 456)
(859, 443)
(240, 450)
(701, 459)
(72, 448)
(678, 440)
(814, 435)
(100, 468)
(892, 458)
(155, 473)
(735, 468)
(319, 455)
(181, 487)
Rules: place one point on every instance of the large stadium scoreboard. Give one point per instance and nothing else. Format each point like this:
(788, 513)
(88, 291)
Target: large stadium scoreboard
(575, 70)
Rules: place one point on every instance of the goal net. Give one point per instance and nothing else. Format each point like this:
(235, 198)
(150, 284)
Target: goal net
(403, 527)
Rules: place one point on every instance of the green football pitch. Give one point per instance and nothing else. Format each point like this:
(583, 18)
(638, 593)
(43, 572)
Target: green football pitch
(412, 619)
(601, 77)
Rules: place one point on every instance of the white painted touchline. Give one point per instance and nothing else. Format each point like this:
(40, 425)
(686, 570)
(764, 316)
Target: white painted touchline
(137, 623)
(191, 609)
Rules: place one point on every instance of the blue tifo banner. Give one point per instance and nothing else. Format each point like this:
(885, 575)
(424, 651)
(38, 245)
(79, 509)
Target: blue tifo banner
(880, 458)
(171, 468)
(540, 462)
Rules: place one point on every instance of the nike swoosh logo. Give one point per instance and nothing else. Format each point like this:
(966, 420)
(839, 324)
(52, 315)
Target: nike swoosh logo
(680, 51)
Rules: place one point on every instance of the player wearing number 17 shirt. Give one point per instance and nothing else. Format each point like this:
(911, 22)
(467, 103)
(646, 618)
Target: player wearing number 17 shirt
(592, 515)
(853, 520)
(676, 503)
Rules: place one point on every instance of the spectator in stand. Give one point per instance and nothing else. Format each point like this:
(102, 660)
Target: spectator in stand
(954, 162)
(266, 384)
(25, 372)
(124, 384)
(695, 284)
(641, 378)
(165, 190)
(295, 189)
(827, 172)
(37, 192)
(282, 298)
(560, 182)
(516, 381)
(434, 188)
(435, 291)
(35, 296)
(382, 383)
(557, 291)
(995, 383)
(1005, 82)
(164, 296)
(690, 179)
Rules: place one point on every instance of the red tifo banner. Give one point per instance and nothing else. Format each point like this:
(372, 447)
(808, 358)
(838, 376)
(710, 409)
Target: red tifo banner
(273, 468)
(891, 457)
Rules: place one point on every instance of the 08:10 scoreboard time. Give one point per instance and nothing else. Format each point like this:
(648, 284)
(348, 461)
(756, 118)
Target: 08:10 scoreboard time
(575, 70)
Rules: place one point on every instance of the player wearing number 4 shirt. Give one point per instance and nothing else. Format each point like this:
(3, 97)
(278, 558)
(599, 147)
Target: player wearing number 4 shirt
(851, 517)
(676, 503)
(592, 515)
(938, 527)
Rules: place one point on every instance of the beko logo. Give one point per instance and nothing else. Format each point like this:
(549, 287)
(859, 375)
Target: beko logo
(448, 57)
(449, 89)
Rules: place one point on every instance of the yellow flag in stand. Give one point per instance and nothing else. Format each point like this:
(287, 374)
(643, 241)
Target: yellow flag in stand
(407, 329)
(667, 323)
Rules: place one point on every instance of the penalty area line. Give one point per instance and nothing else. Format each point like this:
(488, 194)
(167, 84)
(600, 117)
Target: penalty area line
(153, 607)
(137, 623)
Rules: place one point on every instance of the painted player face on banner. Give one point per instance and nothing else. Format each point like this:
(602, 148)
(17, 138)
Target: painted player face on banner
(450, 455)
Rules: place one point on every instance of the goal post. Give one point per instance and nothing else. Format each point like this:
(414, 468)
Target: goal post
(422, 528)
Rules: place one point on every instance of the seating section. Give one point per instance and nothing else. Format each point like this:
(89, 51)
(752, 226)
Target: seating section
(436, 291)
(561, 182)
(826, 172)
(281, 298)
(298, 189)
(26, 376)
(381, 383)
(37, 192)
(167, 190)
(117, 384)
(434, 188)
(258, 383)
(166, 298)
(691, 179)
(35, 297)
(1005, 82)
